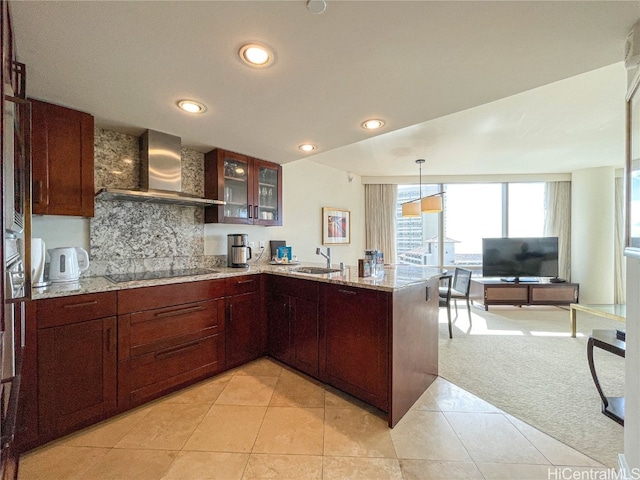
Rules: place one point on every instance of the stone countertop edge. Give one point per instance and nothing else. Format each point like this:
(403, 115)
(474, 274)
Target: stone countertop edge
(394, 278)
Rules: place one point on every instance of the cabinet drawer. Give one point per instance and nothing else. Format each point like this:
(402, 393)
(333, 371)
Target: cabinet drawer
(242, 284)
(52, 312)
(554, 294)
(159, 296)
(154, 373)
(507, 294)
(161, 328)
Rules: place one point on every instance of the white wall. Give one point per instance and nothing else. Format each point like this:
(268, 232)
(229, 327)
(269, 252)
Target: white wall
(632, 364)
(592, 233)
(59, 231)
(307, 187)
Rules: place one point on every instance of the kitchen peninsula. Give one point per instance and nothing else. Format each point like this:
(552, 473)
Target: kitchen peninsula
(375, 338)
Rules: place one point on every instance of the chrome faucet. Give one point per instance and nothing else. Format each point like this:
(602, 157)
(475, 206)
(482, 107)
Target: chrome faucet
(327, 256)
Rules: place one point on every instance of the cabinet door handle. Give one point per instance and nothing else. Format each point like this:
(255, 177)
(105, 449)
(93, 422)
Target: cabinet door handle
(37, 194)
(255, 212)
(179, 311)
(176, 350)
(346, 292)
(231, 312)
(109, 339)
(250, 210)
(81, 304)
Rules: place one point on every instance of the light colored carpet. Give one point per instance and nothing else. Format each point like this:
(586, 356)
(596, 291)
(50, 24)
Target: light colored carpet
(524, 361)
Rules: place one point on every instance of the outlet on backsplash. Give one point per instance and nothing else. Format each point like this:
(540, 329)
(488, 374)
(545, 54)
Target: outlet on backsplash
(261, 244)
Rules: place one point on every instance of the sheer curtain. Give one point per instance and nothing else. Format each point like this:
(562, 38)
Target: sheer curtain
(380, 219)
(557, 222)
(619, 264)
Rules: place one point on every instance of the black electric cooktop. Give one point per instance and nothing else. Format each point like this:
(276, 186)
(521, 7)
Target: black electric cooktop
(135, 276)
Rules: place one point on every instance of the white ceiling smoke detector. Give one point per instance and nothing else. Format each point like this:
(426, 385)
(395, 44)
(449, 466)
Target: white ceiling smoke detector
(316, 6)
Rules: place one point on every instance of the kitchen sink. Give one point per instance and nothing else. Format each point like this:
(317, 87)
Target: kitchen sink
(315, 270)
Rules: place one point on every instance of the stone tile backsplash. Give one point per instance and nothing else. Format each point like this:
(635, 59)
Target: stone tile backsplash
(128, 236)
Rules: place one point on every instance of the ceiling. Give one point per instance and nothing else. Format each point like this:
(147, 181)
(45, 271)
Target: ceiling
(473, 87)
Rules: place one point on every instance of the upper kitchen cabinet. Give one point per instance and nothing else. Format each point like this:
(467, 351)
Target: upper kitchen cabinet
(62, 156)
(251, 188)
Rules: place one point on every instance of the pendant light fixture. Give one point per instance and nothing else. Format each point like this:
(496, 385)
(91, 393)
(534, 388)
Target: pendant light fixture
(428, 204)
(431, 203)
(412, 208)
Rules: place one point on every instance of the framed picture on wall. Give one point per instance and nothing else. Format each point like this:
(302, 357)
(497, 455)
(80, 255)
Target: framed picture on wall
(336, 226)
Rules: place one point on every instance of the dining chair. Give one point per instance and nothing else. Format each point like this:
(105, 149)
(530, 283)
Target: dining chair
(460, 288)
(444, 297)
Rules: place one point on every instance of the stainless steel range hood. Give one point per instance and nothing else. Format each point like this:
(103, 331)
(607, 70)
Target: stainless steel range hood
(160, 175)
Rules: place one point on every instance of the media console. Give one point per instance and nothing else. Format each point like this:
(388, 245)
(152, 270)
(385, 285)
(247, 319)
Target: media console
(493, 291)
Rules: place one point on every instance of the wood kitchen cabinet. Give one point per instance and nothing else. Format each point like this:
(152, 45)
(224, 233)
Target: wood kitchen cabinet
(168, 336)
(354, 342)
(77, 362)
(62, 160)
(251, 188)
(245, 329)
(293, 322)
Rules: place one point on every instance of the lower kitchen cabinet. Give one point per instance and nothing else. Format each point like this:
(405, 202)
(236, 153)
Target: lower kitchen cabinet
(76, 362)
(245, 329)
(293, 322)
(354, 342)
(164, 348)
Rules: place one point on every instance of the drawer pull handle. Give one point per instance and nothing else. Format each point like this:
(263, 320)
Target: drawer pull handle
(81, 304)
(347, 292)
(240, 282)
(169, 352)
(180, 311)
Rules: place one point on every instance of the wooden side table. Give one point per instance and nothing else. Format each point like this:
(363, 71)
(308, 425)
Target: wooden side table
(612, 407)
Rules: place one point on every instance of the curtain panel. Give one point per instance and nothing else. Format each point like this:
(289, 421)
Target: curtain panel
(557, 222)
(619, 264)
(380, 219)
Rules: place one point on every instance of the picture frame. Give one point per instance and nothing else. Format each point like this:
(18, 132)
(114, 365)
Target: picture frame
(336, 226)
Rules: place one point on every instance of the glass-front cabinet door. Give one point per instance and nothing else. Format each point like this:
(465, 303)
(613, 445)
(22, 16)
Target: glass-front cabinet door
(267, 199)
(251, 189)
(236, 187)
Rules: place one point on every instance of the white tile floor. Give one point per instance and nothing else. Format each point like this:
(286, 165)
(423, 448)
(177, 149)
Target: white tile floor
(266, 421)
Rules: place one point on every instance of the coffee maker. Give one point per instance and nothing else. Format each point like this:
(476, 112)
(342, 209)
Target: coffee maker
(238, 250)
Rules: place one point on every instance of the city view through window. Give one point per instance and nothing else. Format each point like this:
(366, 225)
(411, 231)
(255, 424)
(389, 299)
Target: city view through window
(471, 212)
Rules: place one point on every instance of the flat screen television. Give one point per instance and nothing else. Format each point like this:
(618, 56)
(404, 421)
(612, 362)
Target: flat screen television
(520, 259)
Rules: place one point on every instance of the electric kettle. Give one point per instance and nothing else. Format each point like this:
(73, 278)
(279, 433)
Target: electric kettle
(67, 263)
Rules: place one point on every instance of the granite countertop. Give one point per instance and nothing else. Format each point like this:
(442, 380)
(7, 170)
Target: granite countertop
(394, 278)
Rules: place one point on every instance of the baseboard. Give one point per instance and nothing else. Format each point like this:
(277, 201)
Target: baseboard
(625, 471)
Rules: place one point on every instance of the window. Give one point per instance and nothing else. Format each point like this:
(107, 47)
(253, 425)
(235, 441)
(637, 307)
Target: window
(416, 238)
(472, 211)
(526, 209)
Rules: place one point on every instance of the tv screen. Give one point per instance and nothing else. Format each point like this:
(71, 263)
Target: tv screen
(520, 257)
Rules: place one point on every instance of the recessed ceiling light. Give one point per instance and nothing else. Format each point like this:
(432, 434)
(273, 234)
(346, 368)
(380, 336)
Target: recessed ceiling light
(256, 55)
(192, 106)
(373, 124)
(308, 147)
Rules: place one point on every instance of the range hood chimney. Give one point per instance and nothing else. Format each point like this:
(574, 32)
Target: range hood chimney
(160, 175)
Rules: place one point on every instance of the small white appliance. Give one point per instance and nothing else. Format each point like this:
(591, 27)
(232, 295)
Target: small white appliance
(67, 263)
(38, 258)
